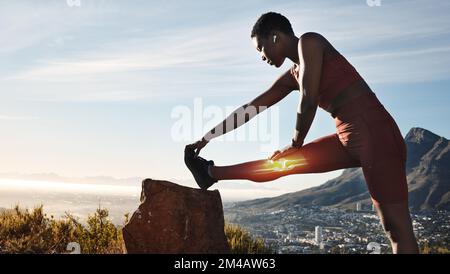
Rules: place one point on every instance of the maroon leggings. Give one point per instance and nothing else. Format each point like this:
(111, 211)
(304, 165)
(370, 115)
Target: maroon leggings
(368, 137)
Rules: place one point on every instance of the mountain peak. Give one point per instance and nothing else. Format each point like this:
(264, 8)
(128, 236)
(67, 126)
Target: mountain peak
(419, 135)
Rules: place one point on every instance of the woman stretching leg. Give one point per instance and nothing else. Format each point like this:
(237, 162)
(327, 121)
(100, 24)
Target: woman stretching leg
(366, 134)
(322, 155)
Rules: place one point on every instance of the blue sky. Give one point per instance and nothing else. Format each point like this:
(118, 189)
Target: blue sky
(89, 90)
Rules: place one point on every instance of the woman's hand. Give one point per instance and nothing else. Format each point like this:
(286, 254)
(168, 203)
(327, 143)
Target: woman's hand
(283, 153)
(199, 145)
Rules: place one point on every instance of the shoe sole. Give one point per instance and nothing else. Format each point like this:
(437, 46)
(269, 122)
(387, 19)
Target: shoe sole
(190, 161)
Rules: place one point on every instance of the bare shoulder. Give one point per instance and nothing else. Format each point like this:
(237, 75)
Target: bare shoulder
(315, 40)
(312, 39)
(311, 35)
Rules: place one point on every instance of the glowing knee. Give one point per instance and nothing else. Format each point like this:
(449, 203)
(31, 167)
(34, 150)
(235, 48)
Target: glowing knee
(281, 165)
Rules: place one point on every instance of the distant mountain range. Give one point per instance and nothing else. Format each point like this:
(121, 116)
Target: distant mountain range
(52, 177)
(428, 174)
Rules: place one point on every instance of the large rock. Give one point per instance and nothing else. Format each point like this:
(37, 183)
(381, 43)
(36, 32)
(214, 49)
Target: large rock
(176, 219)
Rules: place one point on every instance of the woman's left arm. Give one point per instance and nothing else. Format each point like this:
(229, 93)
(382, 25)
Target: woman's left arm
(310, 52)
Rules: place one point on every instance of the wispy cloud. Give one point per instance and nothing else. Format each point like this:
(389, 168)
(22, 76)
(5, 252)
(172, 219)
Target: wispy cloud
(17, 118)
(382, 42)
(169, 57)
(403, 53)
(27, 24)
(404, 66)
(198, 47)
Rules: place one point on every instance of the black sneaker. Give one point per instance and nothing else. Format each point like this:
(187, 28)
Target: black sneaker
(198, 167)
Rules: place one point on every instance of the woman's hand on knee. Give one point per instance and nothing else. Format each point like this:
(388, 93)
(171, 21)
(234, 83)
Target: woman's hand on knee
(283, 152)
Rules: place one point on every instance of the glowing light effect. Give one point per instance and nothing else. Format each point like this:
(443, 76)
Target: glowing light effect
(282, 165)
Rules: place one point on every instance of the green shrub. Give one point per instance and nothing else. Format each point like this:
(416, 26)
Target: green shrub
(241, 242)
(425, 248)
(24, 231)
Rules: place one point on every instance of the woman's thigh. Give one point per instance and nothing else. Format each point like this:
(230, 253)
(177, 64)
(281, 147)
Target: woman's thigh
(321, 155)
(380, 147)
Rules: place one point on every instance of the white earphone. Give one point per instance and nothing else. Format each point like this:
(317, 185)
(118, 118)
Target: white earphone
(274, 38)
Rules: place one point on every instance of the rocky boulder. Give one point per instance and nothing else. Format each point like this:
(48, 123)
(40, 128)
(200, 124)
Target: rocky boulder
(174, 219)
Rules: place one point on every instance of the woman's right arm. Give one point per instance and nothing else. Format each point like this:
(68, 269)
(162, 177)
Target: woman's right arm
(284, 85)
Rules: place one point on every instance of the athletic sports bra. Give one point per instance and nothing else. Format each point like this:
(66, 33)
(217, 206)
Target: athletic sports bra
(337, 74)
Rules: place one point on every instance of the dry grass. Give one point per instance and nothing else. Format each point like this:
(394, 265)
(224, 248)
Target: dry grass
(32, 231)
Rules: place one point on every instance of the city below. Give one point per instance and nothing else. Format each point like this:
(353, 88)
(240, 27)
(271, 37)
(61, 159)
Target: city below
(315, 229)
